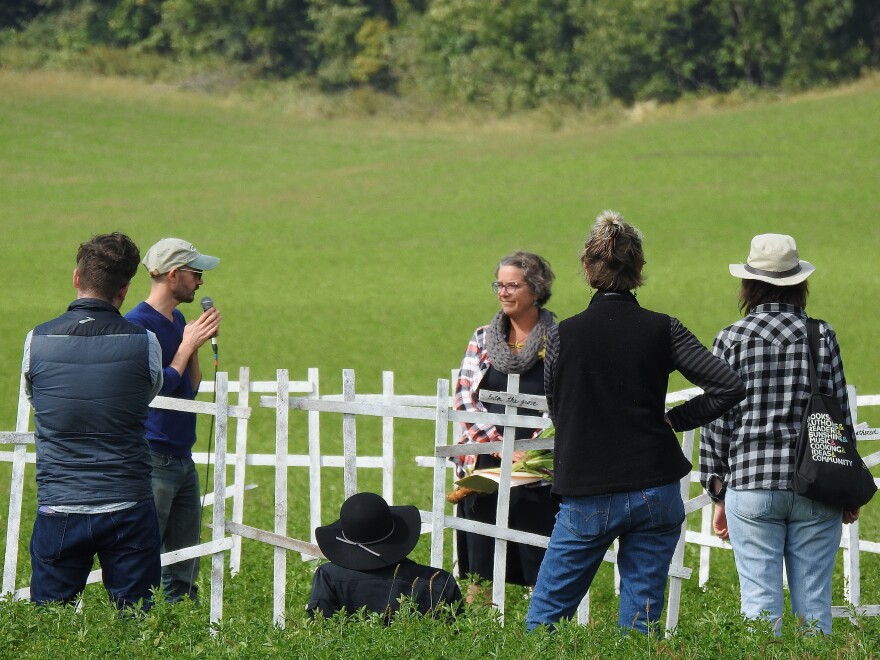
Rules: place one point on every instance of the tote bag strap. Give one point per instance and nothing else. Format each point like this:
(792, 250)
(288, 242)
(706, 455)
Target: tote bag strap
(813, 350)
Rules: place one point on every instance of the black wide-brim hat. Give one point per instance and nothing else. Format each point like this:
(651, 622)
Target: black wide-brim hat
(370, 534)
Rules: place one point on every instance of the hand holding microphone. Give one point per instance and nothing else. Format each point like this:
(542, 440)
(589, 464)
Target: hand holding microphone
(207, 304)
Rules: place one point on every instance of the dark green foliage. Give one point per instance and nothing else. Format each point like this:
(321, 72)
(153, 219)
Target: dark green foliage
(17, 14)
(82, 25)
(795, 44)
(506, 55)
(271, 34)
(351, 43)
(517, 53)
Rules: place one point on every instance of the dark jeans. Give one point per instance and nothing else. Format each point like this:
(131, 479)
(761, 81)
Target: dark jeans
(176, 491)
(63, 547)
(648, 524)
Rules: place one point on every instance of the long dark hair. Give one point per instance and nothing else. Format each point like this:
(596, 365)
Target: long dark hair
(756, 292)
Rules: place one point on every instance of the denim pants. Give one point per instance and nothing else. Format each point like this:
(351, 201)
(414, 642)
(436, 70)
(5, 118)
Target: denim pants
(647, 523)
(176, 491)
(769, 525)
(63, 547)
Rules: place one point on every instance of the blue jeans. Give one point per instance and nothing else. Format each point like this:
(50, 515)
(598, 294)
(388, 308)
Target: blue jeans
(176, 491)
(64, 545)
(769, 525)
(647, 523)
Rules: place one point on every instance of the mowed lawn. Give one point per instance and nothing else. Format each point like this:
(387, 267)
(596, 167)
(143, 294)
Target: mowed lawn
(370, 244)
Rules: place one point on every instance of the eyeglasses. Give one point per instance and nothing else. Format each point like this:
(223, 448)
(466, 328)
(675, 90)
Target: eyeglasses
(196, 273)
(510, 287)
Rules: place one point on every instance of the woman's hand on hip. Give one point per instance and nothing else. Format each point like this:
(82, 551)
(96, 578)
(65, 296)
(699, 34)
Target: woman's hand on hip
(850, 516)
(719, 522)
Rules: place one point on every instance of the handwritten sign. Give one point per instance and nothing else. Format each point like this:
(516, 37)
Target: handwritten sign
(865, 433)
(528, 401)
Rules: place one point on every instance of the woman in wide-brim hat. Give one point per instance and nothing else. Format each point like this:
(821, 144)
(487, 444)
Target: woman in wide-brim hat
(369, 534)
(747, 456)
(367, 548)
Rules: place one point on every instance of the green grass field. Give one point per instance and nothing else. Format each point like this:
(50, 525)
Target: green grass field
(370, 244)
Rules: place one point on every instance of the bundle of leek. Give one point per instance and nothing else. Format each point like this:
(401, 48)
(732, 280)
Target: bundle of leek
(535, 466)
(538, 462)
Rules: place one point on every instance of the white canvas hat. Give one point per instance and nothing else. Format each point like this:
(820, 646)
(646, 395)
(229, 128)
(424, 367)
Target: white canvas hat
(774, 259)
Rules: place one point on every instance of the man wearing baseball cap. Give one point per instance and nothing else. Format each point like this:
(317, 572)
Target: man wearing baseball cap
(176, 269)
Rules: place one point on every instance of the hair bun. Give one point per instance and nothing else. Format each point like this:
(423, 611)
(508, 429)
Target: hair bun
(608, 226)
(612, 220)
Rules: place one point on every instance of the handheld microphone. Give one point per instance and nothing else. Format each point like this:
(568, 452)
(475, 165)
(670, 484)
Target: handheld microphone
(207, 304)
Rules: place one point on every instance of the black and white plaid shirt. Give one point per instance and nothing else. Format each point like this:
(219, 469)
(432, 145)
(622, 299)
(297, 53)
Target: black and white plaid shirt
(753, 444)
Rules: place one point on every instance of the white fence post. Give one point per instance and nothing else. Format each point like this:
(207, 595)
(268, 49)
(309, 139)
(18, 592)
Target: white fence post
(349, 437)
(314, 421)
(502, 511)
(852, 590)
(16, 491)
(238, 479)
(281, 441)
(706, 514)
(457, 433)
(219, 518)
(673, 607)
(388, 440)
(438, 502)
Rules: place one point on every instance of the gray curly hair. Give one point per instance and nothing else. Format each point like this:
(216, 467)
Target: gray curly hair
(537, 273)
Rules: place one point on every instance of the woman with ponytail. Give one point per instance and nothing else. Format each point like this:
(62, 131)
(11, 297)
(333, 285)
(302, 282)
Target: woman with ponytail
(618, 463)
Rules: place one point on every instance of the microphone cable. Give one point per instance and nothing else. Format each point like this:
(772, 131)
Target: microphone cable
(197, 560)
(206, 303)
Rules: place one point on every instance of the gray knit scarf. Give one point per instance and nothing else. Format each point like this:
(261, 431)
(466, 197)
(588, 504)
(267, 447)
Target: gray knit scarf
(500, 354)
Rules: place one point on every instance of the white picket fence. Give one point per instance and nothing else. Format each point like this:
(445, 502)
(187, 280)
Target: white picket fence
(284, 396)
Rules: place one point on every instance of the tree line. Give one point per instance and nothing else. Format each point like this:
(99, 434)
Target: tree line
(504, 54)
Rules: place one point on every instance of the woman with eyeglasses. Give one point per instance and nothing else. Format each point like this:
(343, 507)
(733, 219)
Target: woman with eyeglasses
(513, 342)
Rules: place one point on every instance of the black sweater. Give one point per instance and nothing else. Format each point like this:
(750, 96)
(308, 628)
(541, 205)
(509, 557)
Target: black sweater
(336, 588)
(607, 373)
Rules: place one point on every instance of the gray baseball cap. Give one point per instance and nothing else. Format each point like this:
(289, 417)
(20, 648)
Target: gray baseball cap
(171, 253)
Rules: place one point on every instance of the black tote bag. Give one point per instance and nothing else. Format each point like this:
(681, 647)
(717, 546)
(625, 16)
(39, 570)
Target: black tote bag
(828, 467)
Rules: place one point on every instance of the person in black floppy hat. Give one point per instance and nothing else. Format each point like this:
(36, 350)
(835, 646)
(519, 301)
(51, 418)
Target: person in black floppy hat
(368, 567)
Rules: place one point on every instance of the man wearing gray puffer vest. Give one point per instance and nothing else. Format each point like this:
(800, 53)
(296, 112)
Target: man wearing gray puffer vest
(90, 376)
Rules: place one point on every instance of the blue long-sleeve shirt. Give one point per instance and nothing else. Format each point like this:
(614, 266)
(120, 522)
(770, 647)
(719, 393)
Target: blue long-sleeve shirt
(168, 431)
